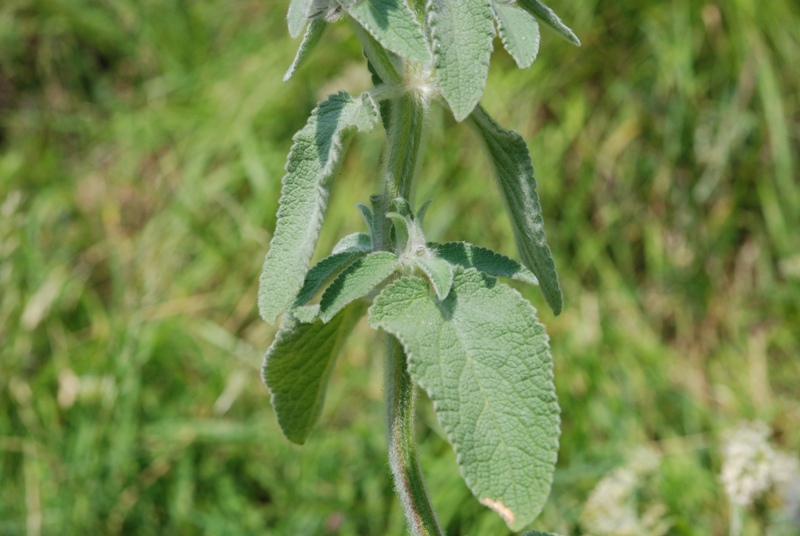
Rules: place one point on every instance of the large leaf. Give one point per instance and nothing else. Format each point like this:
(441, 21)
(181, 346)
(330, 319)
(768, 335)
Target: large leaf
(484, 260)
(297, 17)
(358, 280)
(298, 365)
(462, 33)
(514, 174)
(313, 161)
(310, 39)
(549, 17)
(519, 32)
(484, 360)
(394, 25)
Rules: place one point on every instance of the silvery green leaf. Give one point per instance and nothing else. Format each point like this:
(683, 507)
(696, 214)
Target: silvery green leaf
(440, 273)
(514, 174)
(394, 25)
(462, 33)
(355, 241)
(549, 17)
(356, 281)
(484, 360)
(539, 533)
(298, 14)
(519, 32)
(313, 161)
(484, 260)
(324, 271)
(298, 365)
(310, 39)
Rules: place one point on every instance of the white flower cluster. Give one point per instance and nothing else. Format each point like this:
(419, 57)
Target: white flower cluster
(751, 466)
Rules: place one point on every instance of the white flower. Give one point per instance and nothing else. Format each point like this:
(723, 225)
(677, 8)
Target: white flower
(746, 463)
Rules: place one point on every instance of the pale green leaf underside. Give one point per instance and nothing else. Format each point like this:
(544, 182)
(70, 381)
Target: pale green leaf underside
(514, 173)
(549, 17)
(298, 365)
(484, 260)
(440, 272)
(355, 241)
(313, 161)
(394, 25)
(356, 281)
(310, 39)
(519, 32)
(462, 33)
(324, 271)
(297, 16)
(484, 360)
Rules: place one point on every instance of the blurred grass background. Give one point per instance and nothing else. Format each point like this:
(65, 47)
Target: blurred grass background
(142, 144)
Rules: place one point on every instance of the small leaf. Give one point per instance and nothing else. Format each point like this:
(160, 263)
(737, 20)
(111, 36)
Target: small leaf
(394, 25)
(440, 272)
(514, 174)
(549, 17)
(358, 280)
(539, 533)
(310, 39)
(324, 271)
(462, 33)
(298, 365)
(313, 161)
(484, 260)
(519, 32)
(297, 17)
(484, 360)
(355, 241)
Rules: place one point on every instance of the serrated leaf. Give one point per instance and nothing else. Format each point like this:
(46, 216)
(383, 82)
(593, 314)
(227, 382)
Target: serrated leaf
(313, 161)
(549, 17)
(394, 25)
(514, 173)
(355, 241)
(440, 272)
(358, 280)
(298, 364)
(310, 39)
(297, 16)
(462, 33)
(519, 32)
(324, 271)
(484, 360)
(484, 260)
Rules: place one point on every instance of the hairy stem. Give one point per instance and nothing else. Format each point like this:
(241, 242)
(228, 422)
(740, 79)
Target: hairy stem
(410, 486)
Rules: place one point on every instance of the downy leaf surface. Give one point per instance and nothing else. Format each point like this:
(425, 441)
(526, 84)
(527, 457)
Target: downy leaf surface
(518, 30)
(549, 17)
(462, 33)
(297, 16)
(310, 39)
(440, 272)
(355, 241)
(298, 365)
(324, 271)
(394, 25)
(484, 360)
(356, 281)
(514, 173)
(484, 260)
(313, 161)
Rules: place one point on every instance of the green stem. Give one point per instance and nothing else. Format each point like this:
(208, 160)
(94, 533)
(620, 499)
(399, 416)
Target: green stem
(407, 475)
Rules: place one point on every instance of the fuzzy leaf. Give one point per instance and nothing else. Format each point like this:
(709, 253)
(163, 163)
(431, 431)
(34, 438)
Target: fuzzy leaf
(355, 241)
(514, 174)
(462, 33)
(484, 360)
(358, 280)
(539, 533)
(313, 161)
(440, 272)
(394, 25)
(549, 17)
(484, 260)
(310, 39)
(324, 271)
(298, 365)
(519, 32)
(297, 17)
